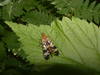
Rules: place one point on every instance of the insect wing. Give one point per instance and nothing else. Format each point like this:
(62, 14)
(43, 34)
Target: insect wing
(48, 47)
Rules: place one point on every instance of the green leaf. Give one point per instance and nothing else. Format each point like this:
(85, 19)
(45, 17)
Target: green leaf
(2, 52)
(77, 41)
(5, 2)
(10, 39)
(6, 12)
(2, 30)
(38, 18)
(15, 8)
(84, 9)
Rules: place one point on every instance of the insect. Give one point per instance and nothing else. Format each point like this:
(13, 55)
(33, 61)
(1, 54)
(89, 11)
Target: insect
(49, 48)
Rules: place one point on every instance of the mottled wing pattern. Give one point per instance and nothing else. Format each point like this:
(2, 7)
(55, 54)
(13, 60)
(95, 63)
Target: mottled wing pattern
(48, 47)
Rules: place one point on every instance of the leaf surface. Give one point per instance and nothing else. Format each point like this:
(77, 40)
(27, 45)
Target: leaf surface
(77, 41)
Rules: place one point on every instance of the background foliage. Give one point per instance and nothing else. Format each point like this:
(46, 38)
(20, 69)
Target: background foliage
(77, 38)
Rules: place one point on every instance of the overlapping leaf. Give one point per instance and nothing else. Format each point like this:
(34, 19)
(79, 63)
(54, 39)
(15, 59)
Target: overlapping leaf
(44, 18)
(80, 8)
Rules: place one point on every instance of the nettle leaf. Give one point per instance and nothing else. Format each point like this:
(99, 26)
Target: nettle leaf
(77, 40)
